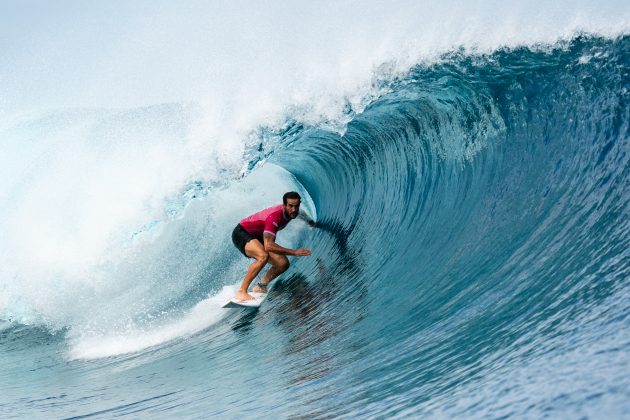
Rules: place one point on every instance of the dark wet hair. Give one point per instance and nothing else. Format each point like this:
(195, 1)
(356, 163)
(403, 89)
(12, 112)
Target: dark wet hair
(290, 195)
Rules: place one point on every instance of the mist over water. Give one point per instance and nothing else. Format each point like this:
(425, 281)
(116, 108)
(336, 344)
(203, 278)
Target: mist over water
(257, 58)
(467, 165)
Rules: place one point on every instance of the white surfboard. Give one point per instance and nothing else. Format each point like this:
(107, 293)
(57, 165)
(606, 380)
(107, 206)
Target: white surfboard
(253, 303)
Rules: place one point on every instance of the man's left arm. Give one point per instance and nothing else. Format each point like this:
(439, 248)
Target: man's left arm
(308, 219)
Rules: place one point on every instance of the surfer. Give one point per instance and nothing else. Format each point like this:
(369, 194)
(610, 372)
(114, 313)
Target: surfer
(255, 237)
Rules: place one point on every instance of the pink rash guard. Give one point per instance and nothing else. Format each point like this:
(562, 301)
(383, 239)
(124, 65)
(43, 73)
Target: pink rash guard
(269, 220)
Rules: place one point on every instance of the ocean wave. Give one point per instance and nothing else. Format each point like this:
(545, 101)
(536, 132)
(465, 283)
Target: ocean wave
(472, 248)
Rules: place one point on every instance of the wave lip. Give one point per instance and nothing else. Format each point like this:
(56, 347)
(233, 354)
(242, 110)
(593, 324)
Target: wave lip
(271, 55)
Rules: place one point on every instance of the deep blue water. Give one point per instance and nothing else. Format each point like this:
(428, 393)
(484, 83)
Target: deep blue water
(472, 260)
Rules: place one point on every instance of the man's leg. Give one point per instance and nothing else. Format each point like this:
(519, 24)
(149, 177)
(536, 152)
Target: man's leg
(255, 250)
(279, 264)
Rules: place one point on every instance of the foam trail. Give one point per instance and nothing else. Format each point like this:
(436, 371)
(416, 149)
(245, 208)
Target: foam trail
(201, 316)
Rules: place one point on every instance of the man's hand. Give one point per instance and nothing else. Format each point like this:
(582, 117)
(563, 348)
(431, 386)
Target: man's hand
(302, 252)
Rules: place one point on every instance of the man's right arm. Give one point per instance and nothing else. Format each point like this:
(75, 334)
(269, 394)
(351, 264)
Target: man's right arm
(272, 246)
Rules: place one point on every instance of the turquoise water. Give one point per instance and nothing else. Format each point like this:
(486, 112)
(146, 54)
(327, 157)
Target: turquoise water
(472, 255)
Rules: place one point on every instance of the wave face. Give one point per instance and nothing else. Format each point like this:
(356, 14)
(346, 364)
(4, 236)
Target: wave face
(477, 239)
(472, 260)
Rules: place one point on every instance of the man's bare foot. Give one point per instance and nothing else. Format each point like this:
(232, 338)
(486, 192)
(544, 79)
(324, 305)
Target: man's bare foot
(260, 288)
(243, 296)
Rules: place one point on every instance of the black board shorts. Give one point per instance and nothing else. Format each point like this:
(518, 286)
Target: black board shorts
(240, 237)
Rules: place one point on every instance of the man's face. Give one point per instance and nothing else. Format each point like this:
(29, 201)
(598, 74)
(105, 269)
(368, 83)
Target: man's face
(292, 208)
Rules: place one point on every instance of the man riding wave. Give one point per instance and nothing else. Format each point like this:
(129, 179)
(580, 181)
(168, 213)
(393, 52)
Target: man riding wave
(255, 237)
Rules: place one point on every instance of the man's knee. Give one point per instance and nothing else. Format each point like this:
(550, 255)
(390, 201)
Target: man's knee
(283, 265)
(262, 257)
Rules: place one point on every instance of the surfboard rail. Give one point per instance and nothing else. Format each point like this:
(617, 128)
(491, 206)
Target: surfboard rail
(259, 298)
